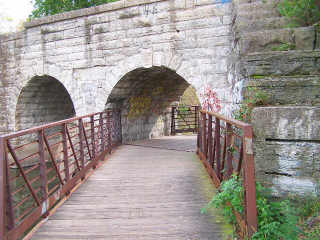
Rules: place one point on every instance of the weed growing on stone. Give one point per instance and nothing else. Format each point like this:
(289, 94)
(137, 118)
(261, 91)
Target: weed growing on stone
(284, 47)
(308, 210)
(253, 98)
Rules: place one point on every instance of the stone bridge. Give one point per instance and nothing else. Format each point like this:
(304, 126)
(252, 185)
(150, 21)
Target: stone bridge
(139, 56)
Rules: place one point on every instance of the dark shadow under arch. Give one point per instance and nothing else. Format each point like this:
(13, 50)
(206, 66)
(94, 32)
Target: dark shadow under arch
(144, 96)
(43, 100)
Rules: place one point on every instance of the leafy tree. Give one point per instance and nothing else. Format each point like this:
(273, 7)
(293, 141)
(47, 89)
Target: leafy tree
(51, 7)
(4, 20)
(300, 12)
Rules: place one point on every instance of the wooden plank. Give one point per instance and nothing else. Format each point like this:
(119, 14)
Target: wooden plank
(140, 193)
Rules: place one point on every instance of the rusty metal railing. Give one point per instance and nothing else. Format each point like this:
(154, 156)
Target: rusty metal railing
(40, 166)
(225, 148)
(184, 119)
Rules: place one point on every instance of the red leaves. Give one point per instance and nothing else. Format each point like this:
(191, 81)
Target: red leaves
(210, 100)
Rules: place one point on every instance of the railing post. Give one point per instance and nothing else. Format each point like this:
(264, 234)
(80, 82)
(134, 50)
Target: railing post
(9, 208)
(198, 133)
(102, 135)
(210, 139)
(43, 173)
(249, 182)
(229, 150)
(204, 134)
(196, 124)
(173, 122)
(2, 190)
(93, 137)
(65, 152)
(80, 124)
(120, 126)
(218, 147)
(109, 131)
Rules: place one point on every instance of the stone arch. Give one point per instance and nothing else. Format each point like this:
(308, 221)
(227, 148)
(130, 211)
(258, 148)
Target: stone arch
(42, 100)
(144, 96)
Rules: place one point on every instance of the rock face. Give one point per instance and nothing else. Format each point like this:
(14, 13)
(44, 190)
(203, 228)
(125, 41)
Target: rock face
(284, 64)
(91, 52)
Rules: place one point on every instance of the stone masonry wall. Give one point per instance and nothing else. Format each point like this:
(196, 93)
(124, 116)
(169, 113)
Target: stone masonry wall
(90, 50)
(282, 63)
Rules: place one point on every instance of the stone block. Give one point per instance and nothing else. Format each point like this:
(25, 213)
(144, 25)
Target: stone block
(305, 38)
(288, 90)
(282, 63)
(289, 123)
(244, 25)
(288, 167)
(277, 39)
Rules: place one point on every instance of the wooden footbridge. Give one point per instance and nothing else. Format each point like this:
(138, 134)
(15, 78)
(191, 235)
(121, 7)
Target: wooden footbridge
(73, 179)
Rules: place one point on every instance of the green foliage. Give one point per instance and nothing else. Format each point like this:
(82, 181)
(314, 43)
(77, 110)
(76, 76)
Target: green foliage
(309, 206)
(253, 97)
(300, 12)
(314, 234)
(230, 191)
(308, 209)
(276, 219)
(51, 7)
(284, 47)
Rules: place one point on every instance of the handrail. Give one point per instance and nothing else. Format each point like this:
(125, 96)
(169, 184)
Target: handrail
(225, 147)
(37, 170)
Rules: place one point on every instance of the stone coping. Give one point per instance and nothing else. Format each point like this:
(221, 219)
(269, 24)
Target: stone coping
(88, 11)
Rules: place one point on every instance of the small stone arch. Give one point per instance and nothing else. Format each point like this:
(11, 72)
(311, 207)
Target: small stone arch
(144, 96)
(42, 100)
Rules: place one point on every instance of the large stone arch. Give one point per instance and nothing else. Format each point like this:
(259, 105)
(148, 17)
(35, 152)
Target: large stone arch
(42, 100)
(144, 96)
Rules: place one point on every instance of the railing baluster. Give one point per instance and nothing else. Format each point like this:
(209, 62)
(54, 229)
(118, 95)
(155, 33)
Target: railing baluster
(103, 140)
(86, 141)
(15, 158)
(213, 153)
(196, 123)
(72, 149)
(93, 143)
(210, 139)
(109, 131)
(9, 209)
(43, 171)
(240, 159)
(65, 152)
(223, 155)
(204, 134)
(53, 160)
(3, 183)
(80, 127)
(218, 148)
(173, 121)
(229, 149)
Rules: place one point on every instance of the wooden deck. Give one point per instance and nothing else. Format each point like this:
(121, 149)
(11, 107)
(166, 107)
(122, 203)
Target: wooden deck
(142, 192)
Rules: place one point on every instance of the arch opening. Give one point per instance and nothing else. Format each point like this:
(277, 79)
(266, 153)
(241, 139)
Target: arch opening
(43, 100)
(145, 96)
